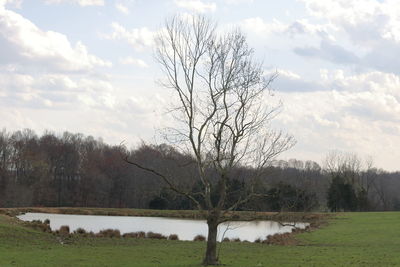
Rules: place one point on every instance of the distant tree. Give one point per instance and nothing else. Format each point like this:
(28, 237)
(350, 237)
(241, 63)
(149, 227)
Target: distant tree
(341, 195)
(285, 197)
(158, 203)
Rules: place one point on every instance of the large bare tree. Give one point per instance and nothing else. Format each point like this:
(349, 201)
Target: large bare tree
(221, 111)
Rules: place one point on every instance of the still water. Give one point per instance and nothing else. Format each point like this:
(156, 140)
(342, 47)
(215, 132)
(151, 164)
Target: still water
(184, 228)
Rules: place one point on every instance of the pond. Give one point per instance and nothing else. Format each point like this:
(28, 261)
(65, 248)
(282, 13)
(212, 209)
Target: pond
(186, 229)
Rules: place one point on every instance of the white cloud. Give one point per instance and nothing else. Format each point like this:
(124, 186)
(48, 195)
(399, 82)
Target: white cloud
(260, 27)
(133, 61)
(196, 5)
(237, 2)
(363, 20)
(299, 27)
(56, 91)
(24, 43)
(369, 29)
(358, 113)
(79, 2)
(138, 38)
(16, 3)
(303, 26)
(122, 8)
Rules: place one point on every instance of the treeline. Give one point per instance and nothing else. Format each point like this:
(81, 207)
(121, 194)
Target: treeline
(76, 170)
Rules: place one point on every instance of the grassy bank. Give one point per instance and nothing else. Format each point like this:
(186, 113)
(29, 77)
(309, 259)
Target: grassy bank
(357, 239)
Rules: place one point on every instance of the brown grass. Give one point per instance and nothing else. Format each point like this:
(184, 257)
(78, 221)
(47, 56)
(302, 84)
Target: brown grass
(80, 231)
(130, 235)
(173, 237)
(113, 233)
(64, 230)
(199, 238)
(152, 235)
(38, 225)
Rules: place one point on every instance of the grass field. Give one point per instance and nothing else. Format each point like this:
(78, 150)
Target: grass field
(350, 239)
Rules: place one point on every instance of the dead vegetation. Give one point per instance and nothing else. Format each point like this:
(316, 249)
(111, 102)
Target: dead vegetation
(199, 238)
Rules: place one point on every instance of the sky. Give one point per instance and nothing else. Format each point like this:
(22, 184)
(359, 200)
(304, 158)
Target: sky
(88, 66)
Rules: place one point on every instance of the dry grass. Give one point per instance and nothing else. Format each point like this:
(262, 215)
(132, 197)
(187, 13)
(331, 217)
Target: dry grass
(113, 233)
(152, 235)
(134, 235)
(199, 238)
(173, 237)
(80, 231)
(38, 225)
(64, 231)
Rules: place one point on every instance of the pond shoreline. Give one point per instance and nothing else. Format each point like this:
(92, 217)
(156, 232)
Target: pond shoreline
(186, 229)
(315, 218)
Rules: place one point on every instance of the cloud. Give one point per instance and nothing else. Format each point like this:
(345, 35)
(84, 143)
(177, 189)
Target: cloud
(288, 81)
(237, 2)
(134, 61)
(373, 30)
(360, 113)
(261, 27)
(329, 51)
(303, 27)
(55, 91)
(16, 3)
(79, 2)
(138, 38)
(122, 8)
(196, 5)
(24, 43)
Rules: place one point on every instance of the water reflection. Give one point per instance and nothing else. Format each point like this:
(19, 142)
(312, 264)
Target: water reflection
(184, 228)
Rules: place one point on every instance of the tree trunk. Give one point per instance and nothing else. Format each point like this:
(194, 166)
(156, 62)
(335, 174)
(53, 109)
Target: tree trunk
(211, 252)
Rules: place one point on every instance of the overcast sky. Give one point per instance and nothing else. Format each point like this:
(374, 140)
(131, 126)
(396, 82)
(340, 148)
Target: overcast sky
(87, 66)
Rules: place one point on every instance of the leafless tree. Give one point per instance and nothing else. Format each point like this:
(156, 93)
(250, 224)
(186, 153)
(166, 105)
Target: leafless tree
(347, 165)
(221, 111)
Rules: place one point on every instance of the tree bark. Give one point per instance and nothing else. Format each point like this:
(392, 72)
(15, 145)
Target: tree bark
(211, 251)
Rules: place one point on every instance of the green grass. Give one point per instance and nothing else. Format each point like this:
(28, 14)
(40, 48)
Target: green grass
(357, 239)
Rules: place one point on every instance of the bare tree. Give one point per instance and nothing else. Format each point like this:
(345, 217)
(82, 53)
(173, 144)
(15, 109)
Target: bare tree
(221, 111)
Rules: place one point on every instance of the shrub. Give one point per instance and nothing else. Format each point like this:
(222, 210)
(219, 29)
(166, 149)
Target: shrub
(80, 231)
(258, 240)
(226, 239)
(141, 234)
(91, 234)
(47, 221)
(39, 225)
(155, 235)
(173, 237)
(279, 239)
(109, 233)
(199, 238)
(130, 235)
(64, 230)
(236, 239)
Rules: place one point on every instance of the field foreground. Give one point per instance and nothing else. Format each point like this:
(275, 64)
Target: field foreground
(358, 239)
